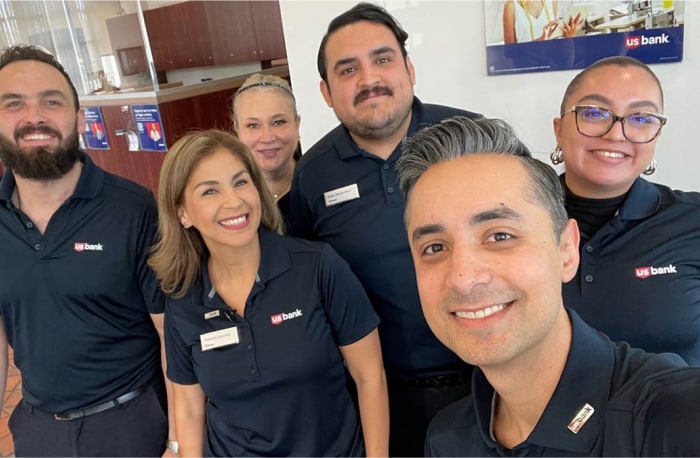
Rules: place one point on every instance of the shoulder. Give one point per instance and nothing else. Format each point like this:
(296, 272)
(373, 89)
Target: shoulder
(671, 196)
(429, 114)
(117, 187)
(326, 143)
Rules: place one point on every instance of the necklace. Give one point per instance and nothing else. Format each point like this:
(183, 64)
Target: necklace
(529, 19)
(287, 186)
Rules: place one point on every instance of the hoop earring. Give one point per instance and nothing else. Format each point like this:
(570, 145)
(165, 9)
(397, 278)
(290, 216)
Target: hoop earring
(651, 168)
(557, 156)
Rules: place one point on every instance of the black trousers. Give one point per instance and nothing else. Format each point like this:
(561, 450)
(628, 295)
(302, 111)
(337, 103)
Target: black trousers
(138, 427)
(411, 409)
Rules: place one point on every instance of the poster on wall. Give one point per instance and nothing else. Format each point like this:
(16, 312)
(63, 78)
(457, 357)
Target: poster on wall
(524, 36)
(149, 126)
(95, 136)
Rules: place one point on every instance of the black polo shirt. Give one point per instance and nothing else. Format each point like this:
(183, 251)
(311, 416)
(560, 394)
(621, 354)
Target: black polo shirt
(639, 276)
(644, 405)
(280, 391)
(351, 199)
(76, 300)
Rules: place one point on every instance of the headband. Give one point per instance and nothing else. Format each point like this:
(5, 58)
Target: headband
(266, 83)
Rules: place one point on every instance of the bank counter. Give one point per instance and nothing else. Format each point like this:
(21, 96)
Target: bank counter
(128, 132)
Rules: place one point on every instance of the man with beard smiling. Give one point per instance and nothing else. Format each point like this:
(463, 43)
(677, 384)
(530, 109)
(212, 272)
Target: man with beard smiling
(78, 303)
(345, 192)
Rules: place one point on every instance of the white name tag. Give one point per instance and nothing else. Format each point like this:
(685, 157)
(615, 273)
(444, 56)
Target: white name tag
(217, 339)
(340, 195)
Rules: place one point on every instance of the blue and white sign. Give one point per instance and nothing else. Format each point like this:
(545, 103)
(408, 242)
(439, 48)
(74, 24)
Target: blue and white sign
(149, 126)
(95, 135)
(529, 36)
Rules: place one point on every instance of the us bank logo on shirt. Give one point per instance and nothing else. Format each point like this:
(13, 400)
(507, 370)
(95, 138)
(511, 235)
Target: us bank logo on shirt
(280, 317)
(646, 272)
(84, 246)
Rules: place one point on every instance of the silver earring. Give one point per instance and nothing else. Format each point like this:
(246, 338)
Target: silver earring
(651, 168)
(187, 225)
(557, 156)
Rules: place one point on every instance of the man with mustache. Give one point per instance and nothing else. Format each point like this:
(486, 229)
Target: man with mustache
(78, 303)
(492, 245)
(345, 192)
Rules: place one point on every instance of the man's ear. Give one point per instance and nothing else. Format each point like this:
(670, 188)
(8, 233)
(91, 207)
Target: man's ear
(326, 93)
(568, 245)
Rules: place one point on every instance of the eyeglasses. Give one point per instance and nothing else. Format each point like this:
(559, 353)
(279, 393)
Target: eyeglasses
(593, 121)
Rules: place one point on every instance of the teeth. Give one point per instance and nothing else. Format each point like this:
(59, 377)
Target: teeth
(483, 313)
(37, 137)
(234, 221)
(612, 154)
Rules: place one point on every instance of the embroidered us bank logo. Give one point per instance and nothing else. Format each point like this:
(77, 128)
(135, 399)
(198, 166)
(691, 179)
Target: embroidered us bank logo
(280, 317)
(84, 246)
(646, 272)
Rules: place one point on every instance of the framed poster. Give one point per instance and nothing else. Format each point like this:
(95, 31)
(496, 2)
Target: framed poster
(525, 36)
(149, 126)
(95, 135)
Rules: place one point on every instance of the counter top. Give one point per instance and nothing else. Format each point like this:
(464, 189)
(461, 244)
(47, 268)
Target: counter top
(129, 97)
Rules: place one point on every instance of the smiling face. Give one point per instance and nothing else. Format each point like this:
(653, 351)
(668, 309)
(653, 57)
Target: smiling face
(266, 121)
(370, 85)
(39, 124)
(221, 202)
(606, 166)
(488, 265)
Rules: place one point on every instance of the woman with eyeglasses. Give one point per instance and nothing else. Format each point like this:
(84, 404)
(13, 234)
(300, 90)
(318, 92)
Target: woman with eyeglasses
(639, 275)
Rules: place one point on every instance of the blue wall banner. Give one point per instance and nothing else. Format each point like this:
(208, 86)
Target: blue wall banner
(95, 135)
(648, 30)
(149, 126)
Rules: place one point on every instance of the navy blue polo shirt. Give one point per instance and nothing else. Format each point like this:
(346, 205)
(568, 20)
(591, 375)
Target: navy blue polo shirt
(644, 405)
(639, 276)
(76, 300)
(281, 391)
(351, 199)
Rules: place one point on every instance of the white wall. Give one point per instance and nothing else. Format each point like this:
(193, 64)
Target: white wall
(447, 45)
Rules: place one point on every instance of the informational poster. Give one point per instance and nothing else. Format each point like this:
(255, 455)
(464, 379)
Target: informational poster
(525, 36)
(149, 126)
(95, 135)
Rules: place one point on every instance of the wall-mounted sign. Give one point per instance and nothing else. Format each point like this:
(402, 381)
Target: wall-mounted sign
(149, 127)
(545, 35)
(95, 135)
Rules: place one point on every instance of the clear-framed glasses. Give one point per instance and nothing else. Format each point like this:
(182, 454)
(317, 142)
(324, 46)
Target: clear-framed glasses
(594, 121)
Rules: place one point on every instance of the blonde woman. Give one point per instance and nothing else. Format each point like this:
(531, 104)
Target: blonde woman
(259, 327)
(265, 118)
(535, 20)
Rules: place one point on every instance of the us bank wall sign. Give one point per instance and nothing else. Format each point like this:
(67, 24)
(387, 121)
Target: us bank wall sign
(524, 36)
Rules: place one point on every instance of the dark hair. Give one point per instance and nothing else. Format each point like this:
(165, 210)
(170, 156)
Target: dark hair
(619, 61)
(361, 12)
(30, 52)
(460, 136)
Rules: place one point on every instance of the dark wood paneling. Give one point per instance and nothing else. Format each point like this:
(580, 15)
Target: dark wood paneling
(269, 34)
(200, 112)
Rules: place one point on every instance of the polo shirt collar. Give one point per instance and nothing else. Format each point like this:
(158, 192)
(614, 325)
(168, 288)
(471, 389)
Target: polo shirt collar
(643, 199)
(347, 148)
(586, 379)
(274, 261)
(89, 184)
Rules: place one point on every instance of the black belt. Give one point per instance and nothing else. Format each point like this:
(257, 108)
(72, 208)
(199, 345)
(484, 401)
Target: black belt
(438, 381)
(80, 413)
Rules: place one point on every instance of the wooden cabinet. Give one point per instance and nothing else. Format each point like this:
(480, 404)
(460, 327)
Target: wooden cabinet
(178, 36)
(205, 33)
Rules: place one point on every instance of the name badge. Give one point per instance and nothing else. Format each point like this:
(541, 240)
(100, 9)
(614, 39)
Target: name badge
(220, 338)
(340, 195)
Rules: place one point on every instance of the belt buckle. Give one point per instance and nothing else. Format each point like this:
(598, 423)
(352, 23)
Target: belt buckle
(66, 417)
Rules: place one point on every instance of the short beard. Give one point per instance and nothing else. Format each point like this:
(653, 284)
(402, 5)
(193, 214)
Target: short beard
(40, 163)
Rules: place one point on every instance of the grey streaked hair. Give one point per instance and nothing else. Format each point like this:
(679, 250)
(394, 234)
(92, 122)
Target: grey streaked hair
(460, 136)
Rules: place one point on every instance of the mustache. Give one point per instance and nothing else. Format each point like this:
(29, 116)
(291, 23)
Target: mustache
(372, 91)
(40, 128)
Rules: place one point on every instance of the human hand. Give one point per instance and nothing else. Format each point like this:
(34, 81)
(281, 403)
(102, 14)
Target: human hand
(571, 27)
(549, 29)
